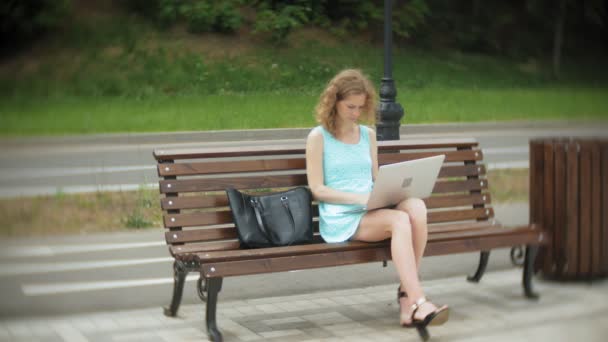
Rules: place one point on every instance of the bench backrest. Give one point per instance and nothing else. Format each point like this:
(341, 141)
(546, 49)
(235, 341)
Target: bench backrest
(195, 206)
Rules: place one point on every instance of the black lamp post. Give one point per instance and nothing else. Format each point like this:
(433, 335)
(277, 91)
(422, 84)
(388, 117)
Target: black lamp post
(390, 112)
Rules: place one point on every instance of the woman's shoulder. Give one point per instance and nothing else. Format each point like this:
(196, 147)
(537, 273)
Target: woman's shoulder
(371, 133)
(315, 135)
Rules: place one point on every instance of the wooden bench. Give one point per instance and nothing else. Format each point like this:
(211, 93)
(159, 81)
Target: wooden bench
(202, 238)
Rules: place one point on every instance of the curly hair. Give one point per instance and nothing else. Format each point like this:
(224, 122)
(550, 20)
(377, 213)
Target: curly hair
(346, 82)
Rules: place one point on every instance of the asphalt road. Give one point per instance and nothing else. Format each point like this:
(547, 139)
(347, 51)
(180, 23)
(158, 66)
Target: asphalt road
(108, 162)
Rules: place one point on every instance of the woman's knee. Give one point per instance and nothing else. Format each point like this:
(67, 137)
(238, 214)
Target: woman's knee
(400, 222)
(415, 208)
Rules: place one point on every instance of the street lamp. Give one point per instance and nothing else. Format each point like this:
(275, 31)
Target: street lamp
(390, 112)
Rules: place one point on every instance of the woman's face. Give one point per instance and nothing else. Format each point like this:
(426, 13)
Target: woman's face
(349, 109)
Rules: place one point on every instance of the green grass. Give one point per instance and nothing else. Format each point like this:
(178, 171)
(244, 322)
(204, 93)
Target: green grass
(124, 76)
(271, 110)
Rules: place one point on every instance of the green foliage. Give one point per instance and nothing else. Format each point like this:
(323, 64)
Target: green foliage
(409, 16)
(281, 21)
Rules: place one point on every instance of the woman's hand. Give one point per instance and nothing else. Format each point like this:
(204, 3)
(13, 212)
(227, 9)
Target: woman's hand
(362, 198)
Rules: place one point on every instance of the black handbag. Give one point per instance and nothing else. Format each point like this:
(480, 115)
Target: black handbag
(277, 219)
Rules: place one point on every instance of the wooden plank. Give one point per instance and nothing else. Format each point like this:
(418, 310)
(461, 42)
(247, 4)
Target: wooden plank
(596, 200)
(462, 170)
(460, 215)
(572, 209)
(450, 156)
(558, 248)
(548, 203)
(275, 148)
(195, 239)
(273, 252)
(199, 235)
(585, 211)
(221, 201)
(446, 201)
(197, 219)
(212, 167)
(220, 184)
(290, 164)
(204, 247)
(289, 263)
(194, 202)
(442, 187)
(278, 181)
(351, 257)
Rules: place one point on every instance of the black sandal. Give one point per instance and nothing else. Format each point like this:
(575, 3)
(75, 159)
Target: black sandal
(437, 317)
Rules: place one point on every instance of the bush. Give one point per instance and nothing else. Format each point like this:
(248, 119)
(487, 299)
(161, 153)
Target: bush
(281, 22)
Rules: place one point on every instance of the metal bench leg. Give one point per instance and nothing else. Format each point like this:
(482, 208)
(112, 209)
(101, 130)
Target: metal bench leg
(179, 278)
(213, 285)
(531, 252)
(484, 256)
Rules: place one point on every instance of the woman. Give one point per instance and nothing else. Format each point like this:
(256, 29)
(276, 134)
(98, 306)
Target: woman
(341, 164)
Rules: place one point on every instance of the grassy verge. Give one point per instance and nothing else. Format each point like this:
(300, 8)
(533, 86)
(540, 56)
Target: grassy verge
(134, 210)
(271, 110)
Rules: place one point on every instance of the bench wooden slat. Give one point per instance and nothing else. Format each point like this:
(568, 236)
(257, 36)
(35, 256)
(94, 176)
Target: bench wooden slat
(450, 232)
(204, 236)
(447, 201)
(203, 168)
(372, 252)
(460, 186)
(225, 217)
(239, 151)
(280, 181)
(261, 165)
(220, 201)
(272, 252)
(450, 156)
(220, 184)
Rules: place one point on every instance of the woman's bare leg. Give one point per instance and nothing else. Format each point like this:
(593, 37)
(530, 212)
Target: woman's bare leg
(416, 210)
(382, 224)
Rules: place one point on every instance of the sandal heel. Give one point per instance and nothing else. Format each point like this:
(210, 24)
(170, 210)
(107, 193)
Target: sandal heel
(423, 332)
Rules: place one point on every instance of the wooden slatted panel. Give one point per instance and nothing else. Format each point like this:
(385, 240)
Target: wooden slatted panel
(278, 149)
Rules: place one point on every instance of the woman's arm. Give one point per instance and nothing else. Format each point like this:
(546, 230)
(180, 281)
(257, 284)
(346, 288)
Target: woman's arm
(373, 146)
(314, 171)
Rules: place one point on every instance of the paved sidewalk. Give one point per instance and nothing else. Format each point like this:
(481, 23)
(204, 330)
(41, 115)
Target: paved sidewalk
(494, 310)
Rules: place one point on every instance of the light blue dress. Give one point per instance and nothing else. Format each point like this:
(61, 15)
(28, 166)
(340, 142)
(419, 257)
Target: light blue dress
(346, 167)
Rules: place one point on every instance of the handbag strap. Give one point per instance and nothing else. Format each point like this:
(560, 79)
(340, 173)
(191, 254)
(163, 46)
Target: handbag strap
(258, 216)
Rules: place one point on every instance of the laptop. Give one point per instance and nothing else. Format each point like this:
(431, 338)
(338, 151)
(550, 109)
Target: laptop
(399, 181)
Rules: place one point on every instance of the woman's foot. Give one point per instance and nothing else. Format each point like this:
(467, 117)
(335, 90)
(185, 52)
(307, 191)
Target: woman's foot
(424, 310)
